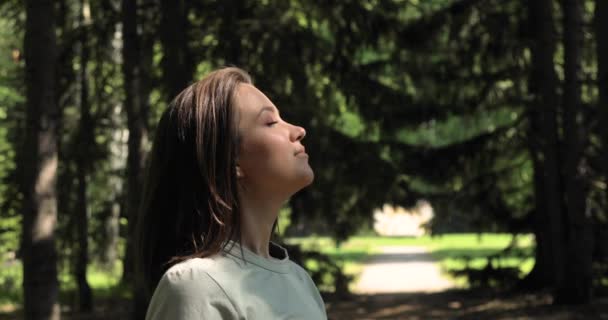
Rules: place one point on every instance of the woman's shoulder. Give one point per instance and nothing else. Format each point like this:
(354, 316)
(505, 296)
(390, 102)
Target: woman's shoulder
(190, 273)
(298, 269)
(201, 269)
(187, 291)
(302, 274)
(190, 265)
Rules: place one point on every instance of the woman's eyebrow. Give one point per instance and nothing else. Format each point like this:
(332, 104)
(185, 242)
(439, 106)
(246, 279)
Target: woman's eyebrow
(267, 108)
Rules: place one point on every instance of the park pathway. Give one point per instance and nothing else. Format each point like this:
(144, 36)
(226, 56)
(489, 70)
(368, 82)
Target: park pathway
(405, 283)
(400, 270)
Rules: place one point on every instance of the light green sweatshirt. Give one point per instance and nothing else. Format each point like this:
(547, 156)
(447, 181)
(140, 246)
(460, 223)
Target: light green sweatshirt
(226, 286)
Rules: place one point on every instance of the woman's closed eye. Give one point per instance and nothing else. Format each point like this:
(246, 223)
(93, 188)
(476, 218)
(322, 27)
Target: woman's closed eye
(271, 121)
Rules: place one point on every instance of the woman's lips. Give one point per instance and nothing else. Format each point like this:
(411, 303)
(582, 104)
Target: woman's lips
(301, 152)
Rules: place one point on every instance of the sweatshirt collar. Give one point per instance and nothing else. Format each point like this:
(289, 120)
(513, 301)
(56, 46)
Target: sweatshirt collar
(278, 263)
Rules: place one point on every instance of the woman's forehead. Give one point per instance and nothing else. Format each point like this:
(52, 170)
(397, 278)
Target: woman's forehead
(251, 101)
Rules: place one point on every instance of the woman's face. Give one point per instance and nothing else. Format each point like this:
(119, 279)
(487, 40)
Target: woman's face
(271, 158)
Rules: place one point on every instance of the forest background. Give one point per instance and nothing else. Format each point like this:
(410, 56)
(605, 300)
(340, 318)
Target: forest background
(496, 112)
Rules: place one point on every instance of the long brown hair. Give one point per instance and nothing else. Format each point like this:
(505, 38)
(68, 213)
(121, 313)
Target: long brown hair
(190, 203)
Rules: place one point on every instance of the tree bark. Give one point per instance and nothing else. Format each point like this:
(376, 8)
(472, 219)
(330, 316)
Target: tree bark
(544, 144)
(177, 65)
(542, 274)
(83, 161)
(601, 34)
(40, 285)
(577, 286)
(136, 106)
(231, 11)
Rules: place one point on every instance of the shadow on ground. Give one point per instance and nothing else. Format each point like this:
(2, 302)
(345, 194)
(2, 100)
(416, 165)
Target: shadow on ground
(401, 257)
(460, 304)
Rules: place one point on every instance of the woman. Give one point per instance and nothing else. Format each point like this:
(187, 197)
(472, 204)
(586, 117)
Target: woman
(222, 165)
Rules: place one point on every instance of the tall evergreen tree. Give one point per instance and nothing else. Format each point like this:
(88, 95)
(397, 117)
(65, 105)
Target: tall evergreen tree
(544, 146)
(577, 286)
(83, 164)
(41, 291)
(601, 34)
(136, 107)
(177, 65)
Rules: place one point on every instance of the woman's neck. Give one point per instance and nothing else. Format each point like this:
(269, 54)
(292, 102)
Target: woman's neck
(257, 219)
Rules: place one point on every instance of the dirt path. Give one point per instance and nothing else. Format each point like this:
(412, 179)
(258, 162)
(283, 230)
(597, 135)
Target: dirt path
(405, 283)
(462, 305)
(401, 270)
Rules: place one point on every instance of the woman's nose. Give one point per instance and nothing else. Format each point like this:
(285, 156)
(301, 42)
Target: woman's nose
(298, 133)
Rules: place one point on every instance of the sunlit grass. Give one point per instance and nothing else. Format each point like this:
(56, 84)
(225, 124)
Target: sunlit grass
(103, 281)
(452, 251)
(459, 251)
(11, 277)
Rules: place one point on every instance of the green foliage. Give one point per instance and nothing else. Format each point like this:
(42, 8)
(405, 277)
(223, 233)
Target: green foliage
(11, 117)
(419, 93)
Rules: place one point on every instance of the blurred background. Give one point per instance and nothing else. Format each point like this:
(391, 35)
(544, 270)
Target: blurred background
(460, 148)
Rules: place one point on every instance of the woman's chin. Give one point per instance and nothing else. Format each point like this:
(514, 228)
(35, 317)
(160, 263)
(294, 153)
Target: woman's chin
(308, 177)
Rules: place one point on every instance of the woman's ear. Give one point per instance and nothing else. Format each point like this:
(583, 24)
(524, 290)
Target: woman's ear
(239, 172)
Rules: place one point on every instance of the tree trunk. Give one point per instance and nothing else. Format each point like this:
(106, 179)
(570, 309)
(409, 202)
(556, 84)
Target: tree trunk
(601, 34)
(542, 274)
(83, 160)
(177, 63)
(110, 216)
(231, 42)
(85, 296)
(576, 287)
(40, 286)
(543, 144)
(136, 105)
